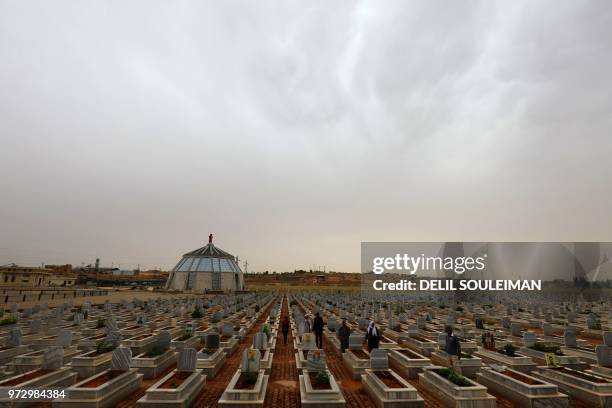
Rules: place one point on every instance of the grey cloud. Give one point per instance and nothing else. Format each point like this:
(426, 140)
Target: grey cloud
(293, 131)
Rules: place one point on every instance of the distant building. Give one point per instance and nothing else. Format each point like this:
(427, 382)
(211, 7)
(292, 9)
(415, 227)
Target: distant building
(60, 269)
(15, 275)
(120, 272)
(61, 280)
(206, 269)
(34, 276)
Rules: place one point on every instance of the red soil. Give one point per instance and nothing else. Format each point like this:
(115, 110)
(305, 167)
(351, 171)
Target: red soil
(388, 379)
(24, 378)
(522, 378)
(242, 384)
(315, 384)
(176, 380)
(409, 354)
(102, 379)
(360, 354)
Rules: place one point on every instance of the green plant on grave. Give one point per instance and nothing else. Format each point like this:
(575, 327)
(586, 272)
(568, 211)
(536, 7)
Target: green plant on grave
(250, 377)
(8, 320)
(155, 351)
(322, 378)
(458, 380)
(197, 313)
(548, 348)
(596, 325)
(453, 377)
(185, 336)
(100, 323)
(104, 347)
(257, 308)
(266, 329)
(510, 350)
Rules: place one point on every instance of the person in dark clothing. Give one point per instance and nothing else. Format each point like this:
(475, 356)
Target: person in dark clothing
(372, 336)
(453, 349)
(343, 335)
(285, 328)
(317, 327)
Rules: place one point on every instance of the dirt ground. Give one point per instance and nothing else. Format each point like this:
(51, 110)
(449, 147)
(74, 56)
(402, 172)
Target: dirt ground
(113, 296)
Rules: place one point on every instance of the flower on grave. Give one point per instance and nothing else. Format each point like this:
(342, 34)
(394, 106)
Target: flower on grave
(251, 354)
(307, 338)
(317, 355)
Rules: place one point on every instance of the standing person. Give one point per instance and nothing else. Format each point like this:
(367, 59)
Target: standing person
(343, 334)
(317, 327)
(372, 336)
(453, 349)
(285, 328)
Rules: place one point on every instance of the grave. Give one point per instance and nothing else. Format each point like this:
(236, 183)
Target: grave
(157, 358)
(589, 388)
(539, 351)
(248, 386)
(211, 358)
(260, 342)
(51, 374)
(522, 389)
(385, 387)
(408, 362)
(469, 394)
(509, 357)
(179, 388)
(420, 344)
(356, 359)
(13, 346)
(468, 363)
(104, 389)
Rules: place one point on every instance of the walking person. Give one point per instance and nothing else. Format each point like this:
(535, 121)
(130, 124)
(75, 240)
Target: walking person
(372, 336)
(285, 328)
(317, 327)
(343, 335)
(453, 349)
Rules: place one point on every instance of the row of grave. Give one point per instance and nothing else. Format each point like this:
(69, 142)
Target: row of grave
(515, 355)
(101, 354)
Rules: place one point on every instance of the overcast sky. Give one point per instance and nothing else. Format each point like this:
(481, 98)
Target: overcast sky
(293, 131)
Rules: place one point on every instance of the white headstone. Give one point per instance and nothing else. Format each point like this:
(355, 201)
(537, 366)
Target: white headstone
(251, 360)
(53, 358)
(164, 339)
(308, 341)
(14, 337)
(187, 360)
(260, 341)
(122, 358)
(316, 360)
(529, 339)
(569, 338)
(64, 338)
(379, 359)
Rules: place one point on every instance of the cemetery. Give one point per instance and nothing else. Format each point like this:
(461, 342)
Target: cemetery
(229, 351)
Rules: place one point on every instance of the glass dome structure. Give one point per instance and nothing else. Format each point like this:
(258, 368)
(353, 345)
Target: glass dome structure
(208, 259)
(206, 269)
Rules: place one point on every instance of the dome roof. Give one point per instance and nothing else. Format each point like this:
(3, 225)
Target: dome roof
(209, 258)
(209, 251)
